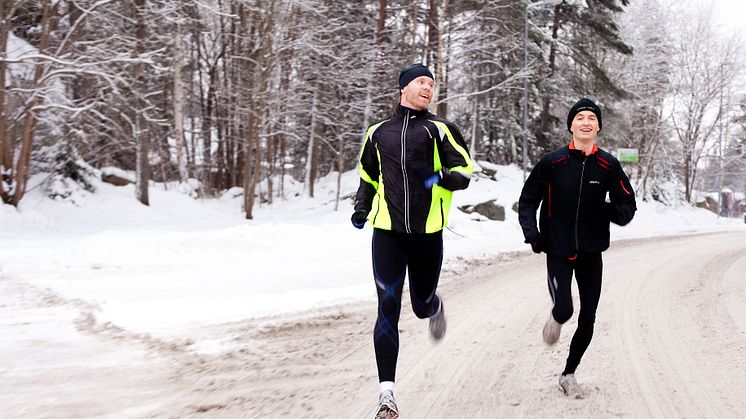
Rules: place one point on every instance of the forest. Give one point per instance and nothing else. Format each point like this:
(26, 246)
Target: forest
(246, 93)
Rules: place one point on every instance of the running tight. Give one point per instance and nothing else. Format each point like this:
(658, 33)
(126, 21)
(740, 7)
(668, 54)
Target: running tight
(394, 254)
(588, 270)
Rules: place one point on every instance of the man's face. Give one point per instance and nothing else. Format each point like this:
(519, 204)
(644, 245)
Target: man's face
(417, 93)
(584, 126)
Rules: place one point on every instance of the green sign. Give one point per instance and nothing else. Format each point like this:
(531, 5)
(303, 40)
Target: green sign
(627, 155)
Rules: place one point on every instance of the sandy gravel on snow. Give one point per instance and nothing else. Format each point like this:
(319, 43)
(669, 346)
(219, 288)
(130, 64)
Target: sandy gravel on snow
(670, 342)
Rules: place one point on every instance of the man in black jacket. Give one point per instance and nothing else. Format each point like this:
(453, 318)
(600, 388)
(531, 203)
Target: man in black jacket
(571, 184)
(409, 165)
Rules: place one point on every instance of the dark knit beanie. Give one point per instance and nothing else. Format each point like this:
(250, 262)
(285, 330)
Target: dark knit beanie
(583, 104)
(411, 72)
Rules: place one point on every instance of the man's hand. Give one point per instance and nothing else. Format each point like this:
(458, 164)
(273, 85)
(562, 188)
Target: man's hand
(536, 247)
(431, 181)
(359, 218)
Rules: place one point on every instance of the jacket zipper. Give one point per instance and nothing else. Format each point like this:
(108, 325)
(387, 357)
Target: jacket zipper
(404, 172)
(577, 211)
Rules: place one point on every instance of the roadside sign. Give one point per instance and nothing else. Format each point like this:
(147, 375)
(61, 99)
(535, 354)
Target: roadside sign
(627, 155)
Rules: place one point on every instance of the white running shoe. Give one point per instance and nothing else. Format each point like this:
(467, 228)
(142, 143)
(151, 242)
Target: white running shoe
(570, 387)
(552, 329)
(438, 322)
(387, 406)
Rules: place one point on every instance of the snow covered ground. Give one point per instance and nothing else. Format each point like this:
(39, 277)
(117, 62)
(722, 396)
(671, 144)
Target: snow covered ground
(183, 262)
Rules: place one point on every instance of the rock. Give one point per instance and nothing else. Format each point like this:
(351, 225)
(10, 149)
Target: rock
(708, 204)
(490, 209)
(115, 179)
(489, 172)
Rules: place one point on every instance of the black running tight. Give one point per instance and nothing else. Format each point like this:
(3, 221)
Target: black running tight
(588, 270)
(393, 254)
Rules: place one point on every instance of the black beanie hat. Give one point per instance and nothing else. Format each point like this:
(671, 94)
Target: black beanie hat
(411, 72)
(583, 104)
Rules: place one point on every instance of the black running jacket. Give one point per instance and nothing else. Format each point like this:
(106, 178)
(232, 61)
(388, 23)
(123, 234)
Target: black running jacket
(572, 188)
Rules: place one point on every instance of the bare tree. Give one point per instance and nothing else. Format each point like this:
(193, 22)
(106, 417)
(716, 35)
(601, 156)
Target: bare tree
(17, 175)
(647, 76)
(702, 72)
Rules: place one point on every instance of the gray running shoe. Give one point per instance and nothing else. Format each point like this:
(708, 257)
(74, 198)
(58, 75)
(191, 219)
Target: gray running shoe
(570, 387)
(387, 406)
(552, 329)
(438, 322)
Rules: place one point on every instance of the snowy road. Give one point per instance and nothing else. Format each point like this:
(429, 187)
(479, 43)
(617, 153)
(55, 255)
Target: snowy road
(670, 342)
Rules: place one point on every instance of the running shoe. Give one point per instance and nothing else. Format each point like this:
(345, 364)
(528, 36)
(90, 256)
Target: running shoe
(387, 406)
(552, 329)
(438, 322)
(570, 387)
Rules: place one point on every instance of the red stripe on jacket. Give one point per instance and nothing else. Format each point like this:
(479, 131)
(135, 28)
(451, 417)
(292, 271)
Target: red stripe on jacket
(623, 188)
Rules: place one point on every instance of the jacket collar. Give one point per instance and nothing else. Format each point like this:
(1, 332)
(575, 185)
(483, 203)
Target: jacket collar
(401, 111)
(580, 153)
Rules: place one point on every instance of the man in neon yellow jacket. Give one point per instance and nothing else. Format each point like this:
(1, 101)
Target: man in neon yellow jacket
(409, 165)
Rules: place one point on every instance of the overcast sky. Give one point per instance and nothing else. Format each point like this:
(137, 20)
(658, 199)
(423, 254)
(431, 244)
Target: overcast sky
(732, 12)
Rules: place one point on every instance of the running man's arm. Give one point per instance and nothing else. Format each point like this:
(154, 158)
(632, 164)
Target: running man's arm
(530, 200)
(369, 174)
(454, 156)
(622, 208)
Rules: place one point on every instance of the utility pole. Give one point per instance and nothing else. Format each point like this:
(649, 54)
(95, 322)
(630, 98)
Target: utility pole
(720, 148)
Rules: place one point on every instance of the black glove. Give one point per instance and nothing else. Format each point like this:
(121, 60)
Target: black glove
(359, 218)
(537, 247)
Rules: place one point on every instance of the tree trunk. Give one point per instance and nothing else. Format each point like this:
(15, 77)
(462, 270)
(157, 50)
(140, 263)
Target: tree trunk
(6, 157)
(340, 169)
(261, 65)
(381, 23)
(543, 135)
(443, 53)
(142, 141)
(474, 128)
(433, 46)
(248, 168)
(220, 153)
(650, 155)
(311, 151)
(179, 106)
(282, 139)
(207, 113)
(413, 32)
(687, 171)
(29, 119)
